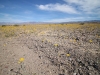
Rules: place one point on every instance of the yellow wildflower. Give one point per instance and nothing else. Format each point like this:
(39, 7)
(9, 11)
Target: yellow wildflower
(21, 60)
(67, 55)
(74, 40)
(90, 41)
(55, 45)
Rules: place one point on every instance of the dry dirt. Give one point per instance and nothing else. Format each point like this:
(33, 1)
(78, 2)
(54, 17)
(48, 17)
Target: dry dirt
(57, 51)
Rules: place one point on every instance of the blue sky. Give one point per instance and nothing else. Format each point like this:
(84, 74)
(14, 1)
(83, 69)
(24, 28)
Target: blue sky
(49, 10)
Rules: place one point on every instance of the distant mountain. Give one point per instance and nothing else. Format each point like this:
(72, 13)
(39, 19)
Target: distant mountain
(97, 21)
(13, 23)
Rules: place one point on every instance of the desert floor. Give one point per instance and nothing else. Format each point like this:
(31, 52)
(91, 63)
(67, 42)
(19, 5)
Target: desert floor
(55, 49)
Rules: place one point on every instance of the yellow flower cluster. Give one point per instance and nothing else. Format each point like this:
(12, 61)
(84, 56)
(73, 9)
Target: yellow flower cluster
(21, 60)
(67, 55)
(55, 45)
(90, 41)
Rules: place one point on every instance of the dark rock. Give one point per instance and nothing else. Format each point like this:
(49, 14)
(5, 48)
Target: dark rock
(61, 74)
(11, 70)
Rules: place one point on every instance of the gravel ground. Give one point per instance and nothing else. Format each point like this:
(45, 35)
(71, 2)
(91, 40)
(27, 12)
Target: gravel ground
(52, 52)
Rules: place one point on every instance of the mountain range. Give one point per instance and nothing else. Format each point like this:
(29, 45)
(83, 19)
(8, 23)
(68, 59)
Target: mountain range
(13, 23)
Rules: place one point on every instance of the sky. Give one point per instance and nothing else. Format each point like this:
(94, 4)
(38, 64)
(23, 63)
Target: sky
(49, 10)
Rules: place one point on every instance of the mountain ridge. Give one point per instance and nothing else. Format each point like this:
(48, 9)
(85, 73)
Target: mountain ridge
(13, 23)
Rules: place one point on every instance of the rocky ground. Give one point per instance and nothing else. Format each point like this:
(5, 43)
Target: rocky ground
(53, 51)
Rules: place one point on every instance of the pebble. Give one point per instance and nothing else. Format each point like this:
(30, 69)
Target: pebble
(74, 73)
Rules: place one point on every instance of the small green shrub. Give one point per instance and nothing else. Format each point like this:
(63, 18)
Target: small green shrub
(81, 23)
(23, 25)
(3, 25)
(62, 23)
(16, 25)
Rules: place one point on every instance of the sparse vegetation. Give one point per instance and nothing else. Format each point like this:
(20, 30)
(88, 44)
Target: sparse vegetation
(3, 25)
(16, 25)
(71, 49)
(82, 23)
(10, 34)
(23, 25)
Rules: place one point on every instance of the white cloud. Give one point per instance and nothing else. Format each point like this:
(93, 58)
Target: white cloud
(70, 19)
(83, 6)
(88, 6)
(58, 7)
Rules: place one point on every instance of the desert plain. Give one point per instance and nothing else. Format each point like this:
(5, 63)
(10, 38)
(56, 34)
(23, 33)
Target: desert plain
(50, 49)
